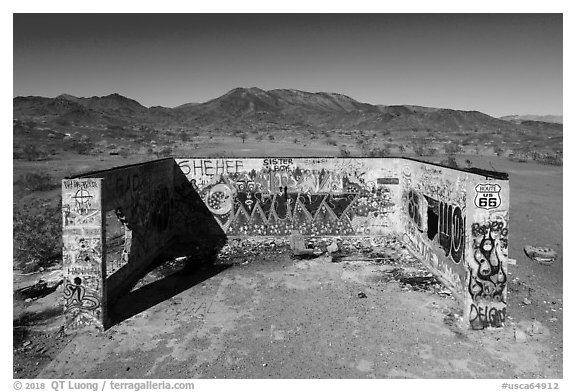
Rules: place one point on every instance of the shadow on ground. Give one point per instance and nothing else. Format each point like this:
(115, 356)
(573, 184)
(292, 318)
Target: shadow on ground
(169, 285)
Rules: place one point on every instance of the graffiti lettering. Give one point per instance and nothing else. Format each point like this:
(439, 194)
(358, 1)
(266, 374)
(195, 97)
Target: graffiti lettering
(80, 183)
(451, 230)
(210, 167)
(486, 316)
(130, 183)
(278, 164)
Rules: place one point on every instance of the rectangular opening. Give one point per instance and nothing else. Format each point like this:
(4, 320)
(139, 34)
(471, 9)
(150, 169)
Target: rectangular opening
(432, 217)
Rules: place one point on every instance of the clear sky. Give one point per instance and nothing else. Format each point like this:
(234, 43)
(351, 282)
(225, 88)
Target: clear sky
(497, 64)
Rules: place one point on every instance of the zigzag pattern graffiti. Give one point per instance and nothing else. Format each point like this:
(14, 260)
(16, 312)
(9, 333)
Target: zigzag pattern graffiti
(279, 214)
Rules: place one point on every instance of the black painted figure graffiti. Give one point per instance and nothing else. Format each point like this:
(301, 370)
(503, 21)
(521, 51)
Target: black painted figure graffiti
(77, 297)
(487, 276)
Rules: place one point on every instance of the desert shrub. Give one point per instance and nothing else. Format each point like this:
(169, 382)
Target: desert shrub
(184, 136)
(498, 151)
(419, 150)
(517, 157)
(378, 152)
(554, 160)
(260, 137)
(344, 152)
(63, 122)
(164, 152)
(271, 137)
(449, 161)
(452, 148)
(36, 182)
(331, 142)
(81, 146)
(31, 152)
(37, 236)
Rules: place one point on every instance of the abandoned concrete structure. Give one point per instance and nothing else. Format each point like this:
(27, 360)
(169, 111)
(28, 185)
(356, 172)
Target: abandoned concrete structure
(117, 222)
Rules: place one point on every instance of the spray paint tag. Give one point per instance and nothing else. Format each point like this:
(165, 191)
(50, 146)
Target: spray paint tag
(487, 196)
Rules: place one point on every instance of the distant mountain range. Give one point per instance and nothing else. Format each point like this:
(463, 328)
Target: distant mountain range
(531, 117)
(249, 108)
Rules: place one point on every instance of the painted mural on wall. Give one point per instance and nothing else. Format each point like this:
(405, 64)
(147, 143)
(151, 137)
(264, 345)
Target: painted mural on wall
(433, 205)
(82, 252)
(487, 278)
(274, 196)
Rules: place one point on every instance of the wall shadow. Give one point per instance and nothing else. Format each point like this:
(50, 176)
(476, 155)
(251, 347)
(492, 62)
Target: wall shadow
(143, 298)
(195, 235)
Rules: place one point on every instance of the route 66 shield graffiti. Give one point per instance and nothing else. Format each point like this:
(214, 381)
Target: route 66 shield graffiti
(487, 196)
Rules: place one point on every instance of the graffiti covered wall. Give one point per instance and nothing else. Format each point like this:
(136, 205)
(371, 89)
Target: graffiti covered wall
(137, 203)
(83, 263)
(317, 196)
(457, 223)
(487, 251)
(116, 222)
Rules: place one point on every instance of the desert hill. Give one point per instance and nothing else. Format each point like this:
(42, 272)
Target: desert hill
(257, 108)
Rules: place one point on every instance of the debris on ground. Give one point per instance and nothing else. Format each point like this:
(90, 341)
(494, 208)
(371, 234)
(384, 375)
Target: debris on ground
(520, 336)
(299, 248)
(38, 290)
(333, 247)
(361, 294)
(537, 327)
(542, 255)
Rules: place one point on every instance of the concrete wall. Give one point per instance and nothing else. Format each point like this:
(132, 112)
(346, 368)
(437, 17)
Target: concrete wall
(317, 196)
(457, 223)
(116, 222)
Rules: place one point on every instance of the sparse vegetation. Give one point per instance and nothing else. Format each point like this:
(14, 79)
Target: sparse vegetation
(37, 236)
(31, 152)
(344, 152)
(164, 152)
(331, 142)
(36, 182)
(450, 161)
(452, 148)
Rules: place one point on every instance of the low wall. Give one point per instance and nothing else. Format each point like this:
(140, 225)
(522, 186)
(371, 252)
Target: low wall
(456, 222)
(118, 221)
(317, 196)
(115, 224)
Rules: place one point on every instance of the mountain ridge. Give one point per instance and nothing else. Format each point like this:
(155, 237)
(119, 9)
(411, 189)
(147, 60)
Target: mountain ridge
(255, 107)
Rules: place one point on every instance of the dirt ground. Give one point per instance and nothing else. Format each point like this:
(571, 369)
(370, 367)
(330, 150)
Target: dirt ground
(276, 317)
(285, 318)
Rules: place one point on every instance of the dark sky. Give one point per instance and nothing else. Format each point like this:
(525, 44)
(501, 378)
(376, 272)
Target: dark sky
(497, 64)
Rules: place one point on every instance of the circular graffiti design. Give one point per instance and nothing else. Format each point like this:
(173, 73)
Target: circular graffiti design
(219, 199)
(83, 198)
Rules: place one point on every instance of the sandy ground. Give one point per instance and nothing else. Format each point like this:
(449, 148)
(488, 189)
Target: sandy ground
(283, 318)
